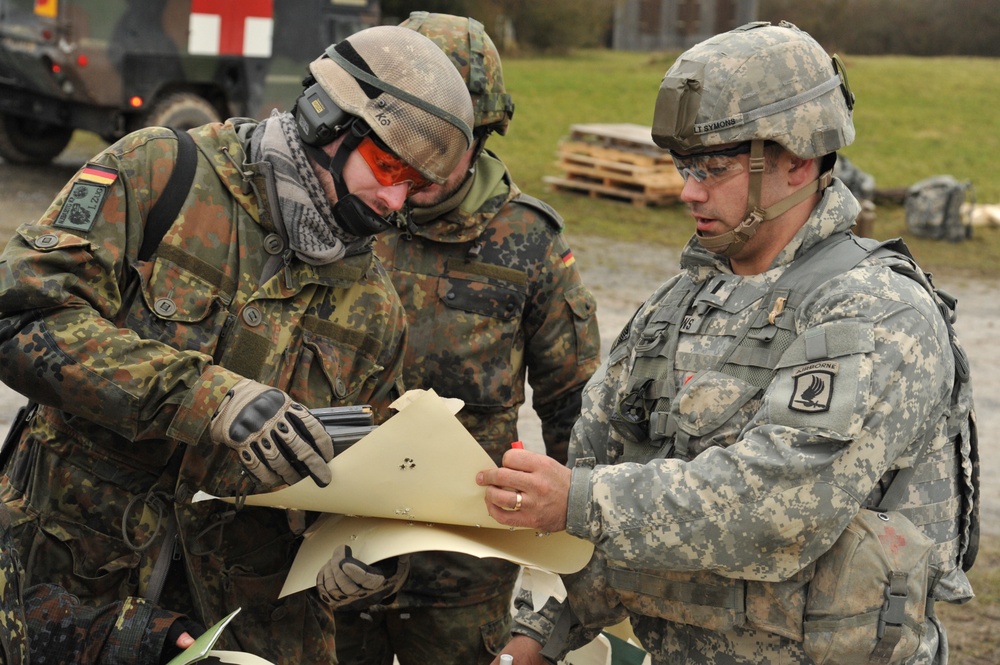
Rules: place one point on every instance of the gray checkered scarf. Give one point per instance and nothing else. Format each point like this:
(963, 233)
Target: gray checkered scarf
(307, 214)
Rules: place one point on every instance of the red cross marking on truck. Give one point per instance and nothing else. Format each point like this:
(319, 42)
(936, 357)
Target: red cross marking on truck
(231, 27)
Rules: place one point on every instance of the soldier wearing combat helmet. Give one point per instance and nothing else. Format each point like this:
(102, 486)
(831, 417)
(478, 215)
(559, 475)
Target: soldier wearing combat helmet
(185, 358)
(492, 294)
(773, 461)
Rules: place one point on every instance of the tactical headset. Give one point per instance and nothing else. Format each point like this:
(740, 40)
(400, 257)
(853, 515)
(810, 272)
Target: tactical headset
(320, 122)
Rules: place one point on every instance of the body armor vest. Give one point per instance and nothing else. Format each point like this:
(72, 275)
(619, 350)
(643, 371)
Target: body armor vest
(758, 329)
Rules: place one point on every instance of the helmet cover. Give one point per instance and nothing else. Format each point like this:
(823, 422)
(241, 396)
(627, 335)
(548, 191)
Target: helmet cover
(759, 81)
(475, 56)
(402, 85)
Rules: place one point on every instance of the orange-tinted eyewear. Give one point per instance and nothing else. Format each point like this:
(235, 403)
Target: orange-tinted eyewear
(390, 169)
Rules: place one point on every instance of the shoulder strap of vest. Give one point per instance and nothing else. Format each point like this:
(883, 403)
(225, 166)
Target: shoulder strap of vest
(550, 214)
(828, 258)
(167, 207)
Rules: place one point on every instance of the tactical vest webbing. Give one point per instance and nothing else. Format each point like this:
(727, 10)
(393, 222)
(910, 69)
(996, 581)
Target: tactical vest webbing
(644, 413)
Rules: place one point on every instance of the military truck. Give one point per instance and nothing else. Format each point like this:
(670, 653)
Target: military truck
(113, 66)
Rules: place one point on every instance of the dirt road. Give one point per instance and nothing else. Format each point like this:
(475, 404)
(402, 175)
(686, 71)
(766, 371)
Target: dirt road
(621, 274)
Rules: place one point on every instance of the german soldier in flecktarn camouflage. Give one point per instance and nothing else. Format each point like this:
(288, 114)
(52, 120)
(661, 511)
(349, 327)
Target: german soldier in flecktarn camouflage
(193, 368)
(491, 294)
(776, 462)
(44, 624)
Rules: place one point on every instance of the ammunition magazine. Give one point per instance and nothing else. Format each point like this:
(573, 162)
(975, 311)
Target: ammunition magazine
(346, 425)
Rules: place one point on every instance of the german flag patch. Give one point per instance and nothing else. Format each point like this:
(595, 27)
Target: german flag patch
(83, 203)
(99, 175)
(567, 258)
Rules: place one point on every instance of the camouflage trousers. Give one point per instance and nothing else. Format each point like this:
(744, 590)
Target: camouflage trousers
(468, 635)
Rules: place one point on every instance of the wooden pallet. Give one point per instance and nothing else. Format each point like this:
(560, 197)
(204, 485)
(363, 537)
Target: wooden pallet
(616, 154)
(617, 161)
(638, 197)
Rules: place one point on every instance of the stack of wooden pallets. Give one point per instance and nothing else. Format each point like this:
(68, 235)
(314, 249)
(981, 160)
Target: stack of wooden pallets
(618, 161)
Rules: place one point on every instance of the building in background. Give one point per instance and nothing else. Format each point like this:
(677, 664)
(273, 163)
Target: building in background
(656, 25)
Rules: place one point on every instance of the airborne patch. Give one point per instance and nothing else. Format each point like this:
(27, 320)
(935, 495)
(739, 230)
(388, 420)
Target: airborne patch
(813, 390)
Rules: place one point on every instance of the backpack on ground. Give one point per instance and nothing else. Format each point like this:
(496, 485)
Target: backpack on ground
(934, 208)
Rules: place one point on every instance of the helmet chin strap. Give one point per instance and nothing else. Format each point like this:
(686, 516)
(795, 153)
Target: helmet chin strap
(730, 242)
(354, 215)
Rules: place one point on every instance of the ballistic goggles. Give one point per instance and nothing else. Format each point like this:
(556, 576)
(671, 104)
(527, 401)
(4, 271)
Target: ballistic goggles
(711, 168)
(390, 169)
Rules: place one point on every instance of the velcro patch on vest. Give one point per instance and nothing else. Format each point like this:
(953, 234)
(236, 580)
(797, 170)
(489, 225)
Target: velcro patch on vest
(82, 206)
(813, 390)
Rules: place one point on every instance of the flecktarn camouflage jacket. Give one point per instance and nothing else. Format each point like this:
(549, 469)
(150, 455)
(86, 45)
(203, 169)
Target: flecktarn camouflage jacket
(130, 359)
(44, 624)
(493, 296)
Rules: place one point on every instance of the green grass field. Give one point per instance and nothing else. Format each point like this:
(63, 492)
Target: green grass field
(915, 118)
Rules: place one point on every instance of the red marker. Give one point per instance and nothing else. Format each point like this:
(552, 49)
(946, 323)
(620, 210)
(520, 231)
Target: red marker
(518, 445)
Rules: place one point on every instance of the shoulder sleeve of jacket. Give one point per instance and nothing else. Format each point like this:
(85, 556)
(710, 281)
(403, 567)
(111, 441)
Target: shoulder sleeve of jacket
(552, 218)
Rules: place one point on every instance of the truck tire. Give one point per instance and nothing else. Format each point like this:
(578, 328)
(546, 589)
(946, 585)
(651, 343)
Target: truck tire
(29, 141)
(181, 110)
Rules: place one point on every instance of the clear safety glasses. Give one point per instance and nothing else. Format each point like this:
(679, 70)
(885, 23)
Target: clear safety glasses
(390, 169)
(711, 168)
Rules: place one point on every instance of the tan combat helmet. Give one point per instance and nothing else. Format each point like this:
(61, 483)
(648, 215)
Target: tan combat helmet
(404, 88)
(475, 56)
(757, 83)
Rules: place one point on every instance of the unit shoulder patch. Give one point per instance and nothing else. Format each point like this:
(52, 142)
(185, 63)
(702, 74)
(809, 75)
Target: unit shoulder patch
(813, 390)
(84, 201)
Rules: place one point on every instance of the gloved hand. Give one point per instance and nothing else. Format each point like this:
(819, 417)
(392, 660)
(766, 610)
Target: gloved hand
(171, 645)
(277, 440)
(345, 583)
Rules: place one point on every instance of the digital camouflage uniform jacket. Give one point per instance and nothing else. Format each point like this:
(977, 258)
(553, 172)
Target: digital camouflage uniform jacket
(756, 484)
(491, 294)
(132, 359)
(47, 625)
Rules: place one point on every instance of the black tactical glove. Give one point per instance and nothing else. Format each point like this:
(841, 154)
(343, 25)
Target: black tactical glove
(277, 440)
(177, 628)
(345, 583)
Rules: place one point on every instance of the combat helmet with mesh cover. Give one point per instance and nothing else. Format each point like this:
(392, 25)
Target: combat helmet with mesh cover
(757, 83)
(403, 87)
(393, 85)
(475, 56)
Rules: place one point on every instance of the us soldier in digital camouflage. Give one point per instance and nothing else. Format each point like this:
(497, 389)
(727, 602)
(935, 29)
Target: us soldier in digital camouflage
(733, 432)
(44, 624)
(190, 371)
(491, 294)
